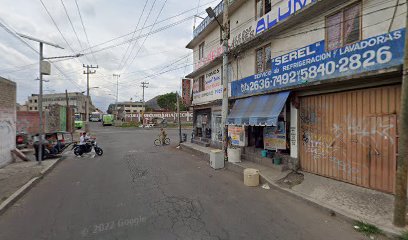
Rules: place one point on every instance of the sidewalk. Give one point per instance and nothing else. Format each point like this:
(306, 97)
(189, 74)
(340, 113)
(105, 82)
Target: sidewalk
(17, 178)
(346, 200)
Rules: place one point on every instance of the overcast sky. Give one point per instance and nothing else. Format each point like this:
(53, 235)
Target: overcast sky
(104, 20)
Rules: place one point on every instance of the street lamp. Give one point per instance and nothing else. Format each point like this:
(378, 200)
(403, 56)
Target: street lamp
(44, 69)
(212, 14)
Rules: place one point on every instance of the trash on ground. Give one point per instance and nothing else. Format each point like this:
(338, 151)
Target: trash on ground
(266, 186)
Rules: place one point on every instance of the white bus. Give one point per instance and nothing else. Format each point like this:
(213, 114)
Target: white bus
(95, 117)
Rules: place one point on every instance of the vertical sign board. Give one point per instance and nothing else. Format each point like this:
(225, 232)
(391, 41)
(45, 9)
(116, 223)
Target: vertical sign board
(312, 63)
(275, 137)
(213, 88)
(237, 136)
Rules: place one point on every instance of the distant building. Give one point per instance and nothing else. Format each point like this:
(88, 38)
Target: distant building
(75, 99)
(128, 107)
(21, 107)
(186, 91)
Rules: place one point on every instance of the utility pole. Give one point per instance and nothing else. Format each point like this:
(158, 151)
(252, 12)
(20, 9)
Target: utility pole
(40, 96)
(117, 76)
(224, 77)
(400, 207)
(88, 72)
(178, 117)
(67, 123)
(225, 80)
(144, 85)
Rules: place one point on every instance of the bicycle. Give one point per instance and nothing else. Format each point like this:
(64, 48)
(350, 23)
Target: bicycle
(158, 141)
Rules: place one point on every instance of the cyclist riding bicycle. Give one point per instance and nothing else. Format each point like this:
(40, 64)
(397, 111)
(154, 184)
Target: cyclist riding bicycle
(162, 135)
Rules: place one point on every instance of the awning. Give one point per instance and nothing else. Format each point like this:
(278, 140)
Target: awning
(258, 111)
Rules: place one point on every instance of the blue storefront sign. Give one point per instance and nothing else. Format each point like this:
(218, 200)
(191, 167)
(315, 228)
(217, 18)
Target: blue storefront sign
(313, 63)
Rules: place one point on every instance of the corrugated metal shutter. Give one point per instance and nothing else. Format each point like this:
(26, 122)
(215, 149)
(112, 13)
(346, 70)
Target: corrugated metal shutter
(351, 136)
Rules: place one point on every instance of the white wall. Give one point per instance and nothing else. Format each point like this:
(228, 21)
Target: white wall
(7, 120)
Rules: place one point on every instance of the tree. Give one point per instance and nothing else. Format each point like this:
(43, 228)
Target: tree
(168, 101)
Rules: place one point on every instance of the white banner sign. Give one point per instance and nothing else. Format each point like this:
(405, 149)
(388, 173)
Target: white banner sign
(212, 88)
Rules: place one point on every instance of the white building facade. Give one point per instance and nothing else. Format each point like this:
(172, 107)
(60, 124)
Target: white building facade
(318, 81)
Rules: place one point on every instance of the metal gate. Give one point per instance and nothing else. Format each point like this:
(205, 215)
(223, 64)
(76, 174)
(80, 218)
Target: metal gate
(351, 136)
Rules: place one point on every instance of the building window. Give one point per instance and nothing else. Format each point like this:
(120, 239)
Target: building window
(201, 84)
(263, 59)
(35, 108)
(201, 51)
(35, 100)
(263, 7)
(31, 108)
(343, 27)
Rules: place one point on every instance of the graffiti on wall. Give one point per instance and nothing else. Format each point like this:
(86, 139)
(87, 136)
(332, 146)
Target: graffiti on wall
(7, 135)
(333, 143)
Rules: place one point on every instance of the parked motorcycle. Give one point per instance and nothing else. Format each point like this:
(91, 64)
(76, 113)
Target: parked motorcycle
(87, 148)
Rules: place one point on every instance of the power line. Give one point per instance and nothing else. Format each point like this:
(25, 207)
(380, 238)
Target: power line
(163, 20)
(86, 35)
(13, 33)
(55, 24)
(134, 32)
(134, 45)
(155, 21)
(286, 50)
(72, 26)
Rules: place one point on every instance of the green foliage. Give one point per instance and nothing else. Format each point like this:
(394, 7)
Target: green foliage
(366, 228)
(404, 236)
(148, 109)
(168, 101)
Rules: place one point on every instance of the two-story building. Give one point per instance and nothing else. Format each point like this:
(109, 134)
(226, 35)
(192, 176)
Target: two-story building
(316, 80)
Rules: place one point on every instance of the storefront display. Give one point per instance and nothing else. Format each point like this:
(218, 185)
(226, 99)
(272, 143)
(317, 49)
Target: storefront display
(237, 135)
(275, 137)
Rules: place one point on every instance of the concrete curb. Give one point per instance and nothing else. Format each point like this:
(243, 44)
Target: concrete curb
(26, 187)
(345, 216)
(195, 152)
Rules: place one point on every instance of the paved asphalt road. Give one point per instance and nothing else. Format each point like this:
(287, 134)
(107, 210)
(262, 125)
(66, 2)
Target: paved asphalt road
(139, 191)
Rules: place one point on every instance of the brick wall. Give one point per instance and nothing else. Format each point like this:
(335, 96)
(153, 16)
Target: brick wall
(7, 120)
(54, 119)
(28, 122)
